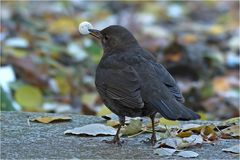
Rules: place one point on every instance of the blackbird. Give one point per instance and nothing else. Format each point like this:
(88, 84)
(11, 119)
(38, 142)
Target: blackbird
(132, 83)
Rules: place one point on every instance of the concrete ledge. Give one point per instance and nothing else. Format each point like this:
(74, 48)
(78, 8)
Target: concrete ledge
(47, 141)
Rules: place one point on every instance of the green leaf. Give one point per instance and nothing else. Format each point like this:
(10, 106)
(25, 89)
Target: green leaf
(29, 97)
(134, 127)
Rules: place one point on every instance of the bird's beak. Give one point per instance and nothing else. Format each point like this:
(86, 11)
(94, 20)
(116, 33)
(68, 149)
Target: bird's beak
(95, 33)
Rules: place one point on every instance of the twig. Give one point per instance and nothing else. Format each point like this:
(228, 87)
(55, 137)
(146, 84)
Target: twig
(136, 134)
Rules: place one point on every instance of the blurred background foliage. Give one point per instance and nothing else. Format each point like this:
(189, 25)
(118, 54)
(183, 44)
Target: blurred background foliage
(47, 66)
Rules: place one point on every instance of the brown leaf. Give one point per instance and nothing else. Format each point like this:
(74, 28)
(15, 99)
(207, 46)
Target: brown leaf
(50, 119)
(232, 131)
(28, 71)
(220, 84)
(184, 134)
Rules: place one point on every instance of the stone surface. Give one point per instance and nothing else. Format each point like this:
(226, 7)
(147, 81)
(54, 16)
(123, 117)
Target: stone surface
(47, 141)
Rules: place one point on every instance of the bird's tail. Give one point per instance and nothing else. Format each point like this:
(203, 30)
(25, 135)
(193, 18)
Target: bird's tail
(173, 110)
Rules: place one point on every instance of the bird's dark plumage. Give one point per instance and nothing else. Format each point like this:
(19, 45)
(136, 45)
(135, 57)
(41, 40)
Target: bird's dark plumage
(132, 83)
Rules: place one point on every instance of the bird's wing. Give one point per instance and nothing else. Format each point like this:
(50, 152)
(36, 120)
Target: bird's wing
(121, 85)
(160, 91)
(168, 80)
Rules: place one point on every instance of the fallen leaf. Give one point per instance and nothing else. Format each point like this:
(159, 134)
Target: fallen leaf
(187, 154)
(203, 115)
(169, 142)
(215, 30)
(184, 134)
(232, 131)
(208, 133)
(28, 71)
(60, 25)
(134, 127)
(164, 151)
(92, 130)
(220, 84)
(29, 97)
(231, 121)
(51, 119)
(164, 121)
(62, 85)
(89, 98)
(103, 111)
(194, 139)
(112, 123)
(190, 126)
(233, 149)
(174, 57)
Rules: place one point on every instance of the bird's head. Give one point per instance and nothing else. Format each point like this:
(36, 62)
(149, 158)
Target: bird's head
(114, 38)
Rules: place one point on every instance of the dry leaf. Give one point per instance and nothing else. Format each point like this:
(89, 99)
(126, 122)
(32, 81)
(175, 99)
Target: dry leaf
(179, 143)
(232, 131)
(208, 133)
(103, 111)
(164, 121)
(194, 139)
(92, 130)
(89, 98)
(174, 57)
(220, 84)
(164, 151)
(63, 85)
(28, 71)
(233, 149)
(231, 121)
(190, 126)
(169, 142)
(187, 154)
(134, 127)
(29, 97)
(60, 25)
(51, 119)
(112, 123)
(184, 134)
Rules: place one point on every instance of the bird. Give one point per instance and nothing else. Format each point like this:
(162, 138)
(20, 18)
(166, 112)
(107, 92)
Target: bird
(132, 83)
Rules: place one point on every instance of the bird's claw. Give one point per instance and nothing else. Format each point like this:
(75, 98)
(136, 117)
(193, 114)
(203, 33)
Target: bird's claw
(114, 141)
(151, 140)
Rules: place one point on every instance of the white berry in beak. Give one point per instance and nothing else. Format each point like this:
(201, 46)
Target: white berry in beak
(84, 26)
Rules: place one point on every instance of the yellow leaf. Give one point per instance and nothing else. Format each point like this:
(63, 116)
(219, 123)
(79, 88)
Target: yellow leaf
(203, 115)
(231, 121)
(208, 133)
(51, 119)
(216, 29)
(190, 38)
(174, 57)
(89, 98)
(167, 122)
(184, 134)
(63, 25)
(232, 131)
(134, 127)
(112, 123)
(103, 111)
(220, 84)
(63, 85)
(29, 97)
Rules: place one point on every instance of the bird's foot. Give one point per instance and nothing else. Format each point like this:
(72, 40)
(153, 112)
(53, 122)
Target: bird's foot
(151, 140)
(114, 141)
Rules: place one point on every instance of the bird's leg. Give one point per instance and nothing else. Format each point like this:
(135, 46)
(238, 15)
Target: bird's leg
(116, 139)
(153, 139)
